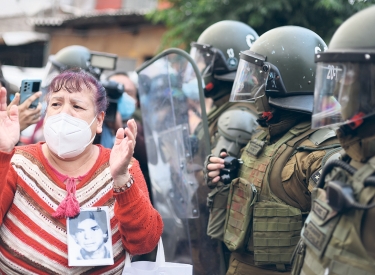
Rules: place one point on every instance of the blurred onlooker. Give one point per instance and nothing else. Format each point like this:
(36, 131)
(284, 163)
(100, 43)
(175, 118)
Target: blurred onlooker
(130, 89)
(129, 107)
(27, 116)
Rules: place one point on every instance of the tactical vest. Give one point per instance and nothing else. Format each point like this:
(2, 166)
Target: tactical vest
(217, 198)
(273, 229)
(331, 242)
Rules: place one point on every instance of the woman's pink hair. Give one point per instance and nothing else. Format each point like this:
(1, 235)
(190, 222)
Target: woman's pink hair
(75, 80)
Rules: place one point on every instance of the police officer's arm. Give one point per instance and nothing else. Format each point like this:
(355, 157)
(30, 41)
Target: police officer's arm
(296, 174)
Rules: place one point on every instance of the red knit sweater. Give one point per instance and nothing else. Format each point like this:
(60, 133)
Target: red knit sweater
(33, 242)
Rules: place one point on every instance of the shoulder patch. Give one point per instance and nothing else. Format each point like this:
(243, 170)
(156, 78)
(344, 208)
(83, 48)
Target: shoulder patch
(315, 177)
(314, 235)
(256, 146)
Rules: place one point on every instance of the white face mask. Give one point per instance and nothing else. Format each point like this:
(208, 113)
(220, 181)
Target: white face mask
(67, 136)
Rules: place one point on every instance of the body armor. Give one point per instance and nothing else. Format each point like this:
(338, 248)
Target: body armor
(217, 198)
(280, 209)
(333, 242)
(338, 235)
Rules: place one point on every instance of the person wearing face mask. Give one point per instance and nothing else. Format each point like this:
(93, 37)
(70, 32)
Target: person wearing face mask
(125, 106)
(270, 194)
(45, 183)
(128, 108)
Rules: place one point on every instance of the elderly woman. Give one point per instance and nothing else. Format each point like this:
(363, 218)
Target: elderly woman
(45, 183)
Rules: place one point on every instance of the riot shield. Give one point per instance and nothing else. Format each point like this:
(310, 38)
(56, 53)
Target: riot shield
(173, 105)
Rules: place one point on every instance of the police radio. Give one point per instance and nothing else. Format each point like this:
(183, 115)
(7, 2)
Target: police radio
(230, 170)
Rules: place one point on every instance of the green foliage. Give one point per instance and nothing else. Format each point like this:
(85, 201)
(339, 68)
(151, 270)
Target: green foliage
(187, 19)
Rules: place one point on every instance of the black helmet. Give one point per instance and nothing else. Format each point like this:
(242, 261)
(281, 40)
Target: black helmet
(280, 65)
(217, 51)
(345, 76)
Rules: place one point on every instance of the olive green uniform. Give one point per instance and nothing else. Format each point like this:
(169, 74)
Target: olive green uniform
(283, 166)
(198, 227)
(342, 243)
(217, 59)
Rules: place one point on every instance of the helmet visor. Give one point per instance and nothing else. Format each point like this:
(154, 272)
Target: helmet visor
(344, 93)
(250, 81)
(204, 57)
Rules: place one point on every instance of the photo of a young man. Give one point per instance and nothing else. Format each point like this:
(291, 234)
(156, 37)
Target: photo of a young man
(88, 239)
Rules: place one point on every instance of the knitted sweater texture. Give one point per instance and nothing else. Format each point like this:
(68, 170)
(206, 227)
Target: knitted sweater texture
(33, 242)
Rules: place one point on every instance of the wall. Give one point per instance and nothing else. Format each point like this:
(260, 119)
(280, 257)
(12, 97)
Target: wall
(139, 44)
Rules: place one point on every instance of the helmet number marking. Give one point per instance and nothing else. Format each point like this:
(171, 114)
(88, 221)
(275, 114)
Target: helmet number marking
(230, 53)
(318, 50)
(332, 72)
(249, 40)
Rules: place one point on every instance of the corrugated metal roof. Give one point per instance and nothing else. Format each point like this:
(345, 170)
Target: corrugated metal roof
(46, 21)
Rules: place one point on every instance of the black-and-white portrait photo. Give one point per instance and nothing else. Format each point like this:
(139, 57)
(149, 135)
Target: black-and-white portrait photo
(89, 238)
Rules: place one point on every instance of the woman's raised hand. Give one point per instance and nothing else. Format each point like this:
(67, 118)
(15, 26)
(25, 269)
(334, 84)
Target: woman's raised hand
(122, 152)
(9, 124)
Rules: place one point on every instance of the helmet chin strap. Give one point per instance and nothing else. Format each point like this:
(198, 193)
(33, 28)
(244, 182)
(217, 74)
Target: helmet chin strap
(262, 105)
(359, 143)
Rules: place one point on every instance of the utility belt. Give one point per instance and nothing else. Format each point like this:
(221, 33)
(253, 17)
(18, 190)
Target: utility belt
(248, 259)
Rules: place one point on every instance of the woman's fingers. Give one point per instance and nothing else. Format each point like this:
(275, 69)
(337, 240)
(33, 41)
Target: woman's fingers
(13, 113)
(3, 99)
(132, 125)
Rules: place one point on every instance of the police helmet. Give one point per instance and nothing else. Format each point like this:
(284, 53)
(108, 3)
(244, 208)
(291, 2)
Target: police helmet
(345, 76)
(280, 65)
(216, 52)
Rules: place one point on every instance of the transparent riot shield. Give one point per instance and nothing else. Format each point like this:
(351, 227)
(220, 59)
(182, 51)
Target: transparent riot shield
(173, 105)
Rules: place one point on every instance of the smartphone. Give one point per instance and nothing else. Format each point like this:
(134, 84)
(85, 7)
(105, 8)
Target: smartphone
(28, 88)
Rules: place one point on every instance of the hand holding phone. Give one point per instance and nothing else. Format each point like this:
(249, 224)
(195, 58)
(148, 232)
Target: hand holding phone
(28, 88)
(29, 110)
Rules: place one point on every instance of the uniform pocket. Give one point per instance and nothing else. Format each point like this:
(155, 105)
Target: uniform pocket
(217, 204)
(241, 199)
(288, 171)
(276, 232)
(320, 223)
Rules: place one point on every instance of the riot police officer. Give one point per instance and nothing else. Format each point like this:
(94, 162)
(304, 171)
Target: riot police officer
(217, 58)
(338, 235)
(270, 197)
(216, 53)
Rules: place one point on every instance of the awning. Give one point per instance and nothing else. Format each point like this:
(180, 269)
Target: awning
(23, 37)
